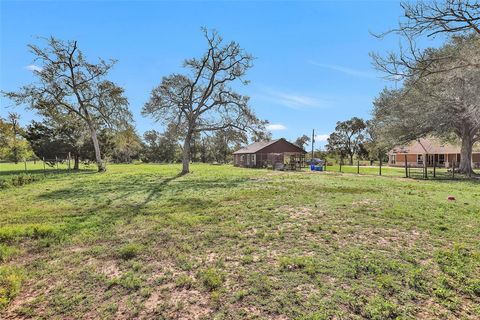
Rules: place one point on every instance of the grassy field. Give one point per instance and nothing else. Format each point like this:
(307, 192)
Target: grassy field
(226, 243)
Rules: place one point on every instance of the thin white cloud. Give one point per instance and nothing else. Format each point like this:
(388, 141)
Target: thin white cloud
(33, 68)
(346, 70)
(289, 99)
(321, 137)
(276, 127)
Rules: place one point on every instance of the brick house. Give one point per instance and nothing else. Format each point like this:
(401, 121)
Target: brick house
(431, 150)
(276, 153)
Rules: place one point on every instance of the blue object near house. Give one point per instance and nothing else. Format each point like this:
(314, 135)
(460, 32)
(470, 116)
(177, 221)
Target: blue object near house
(312, 167)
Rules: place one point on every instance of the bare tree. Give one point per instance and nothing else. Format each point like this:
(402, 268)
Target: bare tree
(427, 19)
(70, 85)
(435, 17)
(203, 101)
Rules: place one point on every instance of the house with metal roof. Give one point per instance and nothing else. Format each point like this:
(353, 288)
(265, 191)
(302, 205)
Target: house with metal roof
(277, 154)
(431, 150)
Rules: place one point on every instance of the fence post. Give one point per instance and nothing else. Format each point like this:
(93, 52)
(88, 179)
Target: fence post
(406, 166)
(25, 161)
(358, 166)
(453, 169)
(68, 161)
(56, 162)
(44, 168)
(434, 167)
(340, 165)
(380, 167)
(425, 166)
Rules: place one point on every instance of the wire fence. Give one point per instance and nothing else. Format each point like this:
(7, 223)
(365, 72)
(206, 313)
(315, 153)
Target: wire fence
(409, 171)
(45, 166)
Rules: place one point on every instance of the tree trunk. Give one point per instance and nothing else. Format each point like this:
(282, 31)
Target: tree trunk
(351, 159)
(465, 165)
(186, 154)
(96, 146)
(76, 162)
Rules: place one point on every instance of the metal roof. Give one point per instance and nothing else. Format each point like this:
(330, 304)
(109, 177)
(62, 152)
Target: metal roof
(256, 146)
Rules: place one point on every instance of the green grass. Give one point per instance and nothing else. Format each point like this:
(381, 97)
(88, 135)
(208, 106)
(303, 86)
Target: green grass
(37, 167)
(139, 241)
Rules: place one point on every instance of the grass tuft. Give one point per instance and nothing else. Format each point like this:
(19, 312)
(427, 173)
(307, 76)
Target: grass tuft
(130, 251)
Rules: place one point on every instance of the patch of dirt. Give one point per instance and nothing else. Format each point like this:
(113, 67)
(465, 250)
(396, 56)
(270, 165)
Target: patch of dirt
(110, 269)
(27, 294)
(152, 302)
(197, 306)
(387, 238)
(107, 267)
(178, 303)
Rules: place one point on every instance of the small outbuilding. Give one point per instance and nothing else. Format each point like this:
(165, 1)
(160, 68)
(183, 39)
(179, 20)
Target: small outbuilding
(277, 154)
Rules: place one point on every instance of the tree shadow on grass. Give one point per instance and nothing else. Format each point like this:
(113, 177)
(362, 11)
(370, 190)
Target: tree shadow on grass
(99, 204)
(147, 187)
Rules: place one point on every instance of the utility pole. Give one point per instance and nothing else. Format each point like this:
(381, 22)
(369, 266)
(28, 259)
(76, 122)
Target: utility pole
(313, 141)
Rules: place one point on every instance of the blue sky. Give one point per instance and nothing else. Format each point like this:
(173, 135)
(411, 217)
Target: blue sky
(312, 67)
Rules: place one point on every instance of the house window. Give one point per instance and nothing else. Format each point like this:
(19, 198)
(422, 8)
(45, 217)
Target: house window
(254, 159)
(393, 159)
(248, 159)
(441, 158)
(242, 158)
(419, 158)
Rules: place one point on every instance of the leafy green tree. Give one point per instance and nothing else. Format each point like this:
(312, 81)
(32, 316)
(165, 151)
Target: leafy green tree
(161, 147)
(127, 145)
(13, 146)
(70, 85)
(442, 104)
(302, 141)
(50, 140)
(347, 138)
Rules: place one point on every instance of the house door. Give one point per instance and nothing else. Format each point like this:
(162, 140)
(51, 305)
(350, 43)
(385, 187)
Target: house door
(431, 158)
